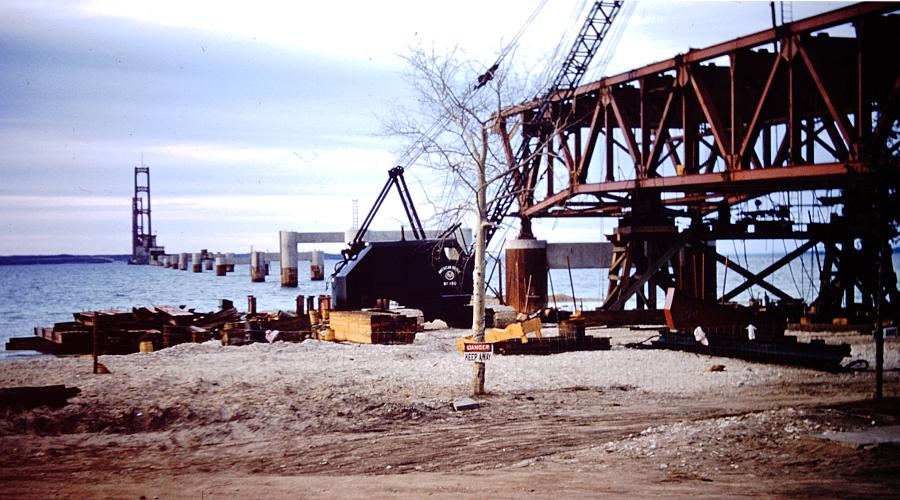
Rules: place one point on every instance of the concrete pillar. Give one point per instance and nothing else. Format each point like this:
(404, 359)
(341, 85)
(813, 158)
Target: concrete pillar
(257, 267)
(317, 266)
(251, 304)
(208, 262)
(526, 275)
(196, 263)
(220, 265)
(229, 262)
(182, 261)
(288, 242)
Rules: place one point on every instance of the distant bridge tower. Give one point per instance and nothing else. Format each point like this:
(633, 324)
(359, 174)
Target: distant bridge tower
(143, 241)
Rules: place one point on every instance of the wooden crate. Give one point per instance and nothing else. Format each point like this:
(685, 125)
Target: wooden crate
(371, 327)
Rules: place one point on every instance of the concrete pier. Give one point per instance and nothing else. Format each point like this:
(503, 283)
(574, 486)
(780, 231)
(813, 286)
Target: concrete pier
(257, 267)
(182, 261)
(288, 243)
(221, 270)
(526, 275)
(208, 261)
(251, 304)
(229, 262)
(317, 266)
(196, 263)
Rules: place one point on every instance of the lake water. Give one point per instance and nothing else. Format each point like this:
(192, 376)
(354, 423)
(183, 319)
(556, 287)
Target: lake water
(45, 294)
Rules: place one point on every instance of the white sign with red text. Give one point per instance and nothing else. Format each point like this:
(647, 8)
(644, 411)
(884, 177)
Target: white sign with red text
(478, 351)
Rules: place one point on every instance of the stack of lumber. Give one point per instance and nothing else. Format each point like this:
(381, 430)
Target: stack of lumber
(372, 327)
(122, 332)
(266, 327)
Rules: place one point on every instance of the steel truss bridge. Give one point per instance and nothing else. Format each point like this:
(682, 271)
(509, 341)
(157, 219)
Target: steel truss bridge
(807, 106)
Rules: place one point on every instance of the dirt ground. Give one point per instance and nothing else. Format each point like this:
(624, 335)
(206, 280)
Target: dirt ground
(318, 420)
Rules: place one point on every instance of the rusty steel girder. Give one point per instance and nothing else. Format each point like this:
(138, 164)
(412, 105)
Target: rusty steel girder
(790, 108)
(799, 107)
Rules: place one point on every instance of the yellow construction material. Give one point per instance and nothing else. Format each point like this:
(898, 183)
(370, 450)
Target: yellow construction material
(519, 329)
(367, 327)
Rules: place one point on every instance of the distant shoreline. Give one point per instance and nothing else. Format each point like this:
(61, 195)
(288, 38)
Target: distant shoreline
(29, 260)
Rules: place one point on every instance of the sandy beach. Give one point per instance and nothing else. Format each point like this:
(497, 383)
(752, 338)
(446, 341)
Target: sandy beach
(319, 419)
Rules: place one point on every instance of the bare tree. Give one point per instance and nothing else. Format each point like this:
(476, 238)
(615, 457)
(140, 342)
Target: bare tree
(449, 132)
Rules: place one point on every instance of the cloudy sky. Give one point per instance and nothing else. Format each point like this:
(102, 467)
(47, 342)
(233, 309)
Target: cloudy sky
(254, 116)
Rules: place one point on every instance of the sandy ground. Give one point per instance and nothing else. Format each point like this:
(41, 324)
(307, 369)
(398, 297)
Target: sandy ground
(316, 420)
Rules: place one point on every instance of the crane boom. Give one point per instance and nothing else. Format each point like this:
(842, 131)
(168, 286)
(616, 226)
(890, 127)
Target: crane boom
(593, 32)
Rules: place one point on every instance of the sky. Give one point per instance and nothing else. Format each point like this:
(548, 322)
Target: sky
(257, 116)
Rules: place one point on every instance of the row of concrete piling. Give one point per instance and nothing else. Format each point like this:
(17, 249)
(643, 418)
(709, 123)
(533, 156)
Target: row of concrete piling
(223, 262)
(259, 265)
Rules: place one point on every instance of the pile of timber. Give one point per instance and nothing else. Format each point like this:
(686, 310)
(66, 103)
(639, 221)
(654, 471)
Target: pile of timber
(145, 329)
(370, 327)
(266, 327)
(515, 339)
(125, 332)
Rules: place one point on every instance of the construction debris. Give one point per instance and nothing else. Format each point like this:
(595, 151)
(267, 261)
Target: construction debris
(276, 326)
(464, 404)
(147, 329)
(730, 330)
(514, 338)
(124, 332)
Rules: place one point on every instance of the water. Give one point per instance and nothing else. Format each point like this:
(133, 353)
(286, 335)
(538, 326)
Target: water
(47, 294)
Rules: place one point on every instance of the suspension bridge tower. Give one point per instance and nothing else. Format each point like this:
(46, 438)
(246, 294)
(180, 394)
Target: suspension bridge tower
(143, 241)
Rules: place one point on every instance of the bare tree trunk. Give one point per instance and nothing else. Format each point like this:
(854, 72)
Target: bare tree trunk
(478, 285)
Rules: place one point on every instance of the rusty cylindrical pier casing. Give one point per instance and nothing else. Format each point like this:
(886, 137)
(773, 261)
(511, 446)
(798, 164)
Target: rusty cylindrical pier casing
(251, 304)
(196, 263)
(300, 303)
(229, 262)
(221, 270)
(317, 266)
(257, 267)
(526, 275)
(325, 307)
(288, 243)
(208, 262)
(182, 261)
